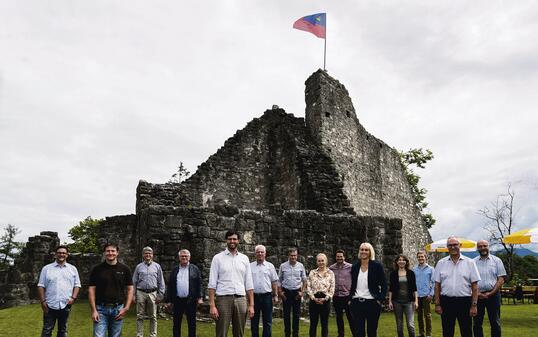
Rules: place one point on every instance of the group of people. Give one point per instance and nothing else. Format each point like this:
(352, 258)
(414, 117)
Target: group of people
(461, 288)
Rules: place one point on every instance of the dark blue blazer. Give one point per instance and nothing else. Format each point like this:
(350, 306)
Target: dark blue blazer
(377, 283)
(195, 284)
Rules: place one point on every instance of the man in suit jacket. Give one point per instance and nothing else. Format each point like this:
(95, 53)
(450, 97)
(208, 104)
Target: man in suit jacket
(185, 293)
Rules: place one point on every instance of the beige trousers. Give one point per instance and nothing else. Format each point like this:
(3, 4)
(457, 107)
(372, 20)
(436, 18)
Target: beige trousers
(231, 309)
(146, 307)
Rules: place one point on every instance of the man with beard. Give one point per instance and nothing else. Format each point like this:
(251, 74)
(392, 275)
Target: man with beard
(58, 289)
(456, 290)
(342, 275)
(230, 279)
(110, 293)
(492, 274)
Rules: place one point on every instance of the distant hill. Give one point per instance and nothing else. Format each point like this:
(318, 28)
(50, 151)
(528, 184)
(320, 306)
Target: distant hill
(517, 251)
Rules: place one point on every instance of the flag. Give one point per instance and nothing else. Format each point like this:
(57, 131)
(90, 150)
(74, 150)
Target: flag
(314, 24)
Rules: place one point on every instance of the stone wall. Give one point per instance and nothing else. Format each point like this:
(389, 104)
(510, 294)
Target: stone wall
(271, 161)
(201, 230)
(371, 171)
(18, 284)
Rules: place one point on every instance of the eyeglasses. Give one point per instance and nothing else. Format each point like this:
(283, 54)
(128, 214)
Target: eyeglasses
(453, 245)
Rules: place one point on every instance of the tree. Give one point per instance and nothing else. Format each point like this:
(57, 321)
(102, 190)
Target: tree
(180, 175)
(9, 248)
(499, 217)
(85, 236)
(418, 158)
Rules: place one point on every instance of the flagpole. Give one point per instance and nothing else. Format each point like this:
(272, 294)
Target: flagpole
(325, 45)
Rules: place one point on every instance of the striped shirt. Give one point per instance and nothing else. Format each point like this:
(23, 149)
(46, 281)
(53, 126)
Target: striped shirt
(291, 277)
(490, 269)
(149, 276)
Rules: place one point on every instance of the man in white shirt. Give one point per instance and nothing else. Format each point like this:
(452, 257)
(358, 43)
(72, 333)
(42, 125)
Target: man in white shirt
(58, 289)
(265, 282)
(456, 290)
(230, 279)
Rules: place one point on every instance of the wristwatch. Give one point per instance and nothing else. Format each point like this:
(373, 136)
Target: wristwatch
(473, 304)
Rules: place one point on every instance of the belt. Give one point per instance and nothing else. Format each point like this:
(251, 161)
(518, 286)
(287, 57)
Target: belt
(262, 294)
(147, 291)
(234, 295)
(109, 305)
(361, 299)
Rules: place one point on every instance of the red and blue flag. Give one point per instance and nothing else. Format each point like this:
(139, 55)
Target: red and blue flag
(315, 24)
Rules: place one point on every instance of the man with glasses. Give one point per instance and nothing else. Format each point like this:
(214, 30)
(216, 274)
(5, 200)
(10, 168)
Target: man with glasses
(148, 281)
(185, 293)
(58, 289)
(492, 274)
(265, 282)
(456, 290)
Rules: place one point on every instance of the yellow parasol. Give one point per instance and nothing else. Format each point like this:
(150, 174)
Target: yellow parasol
(522, 236)
(439, 246)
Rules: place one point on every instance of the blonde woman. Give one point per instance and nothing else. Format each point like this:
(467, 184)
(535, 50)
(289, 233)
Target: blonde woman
(368, 290)
(320, 289)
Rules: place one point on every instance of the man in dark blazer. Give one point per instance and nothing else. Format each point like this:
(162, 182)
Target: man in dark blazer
(185, 293)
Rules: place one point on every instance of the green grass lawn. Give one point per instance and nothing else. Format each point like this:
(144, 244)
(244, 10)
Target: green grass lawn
(518, 321)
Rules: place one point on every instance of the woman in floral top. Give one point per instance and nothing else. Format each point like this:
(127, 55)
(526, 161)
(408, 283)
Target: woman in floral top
(320, 289)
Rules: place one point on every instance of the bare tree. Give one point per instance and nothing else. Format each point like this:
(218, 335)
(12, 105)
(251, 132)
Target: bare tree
(499, 223)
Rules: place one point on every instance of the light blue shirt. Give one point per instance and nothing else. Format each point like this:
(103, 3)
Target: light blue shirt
(182, 282)
(230, 274)
(490, 269)
(291, 277)
(149, 276)
(425, 282)
(263, 276)
(58, 281)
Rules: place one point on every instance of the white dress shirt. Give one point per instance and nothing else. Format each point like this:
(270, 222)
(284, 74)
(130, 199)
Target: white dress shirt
(263, 275)
(230, 274)
(58, 281)
(456, 278)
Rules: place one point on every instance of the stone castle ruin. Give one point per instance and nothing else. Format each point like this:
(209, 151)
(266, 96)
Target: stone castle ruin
(320, 183)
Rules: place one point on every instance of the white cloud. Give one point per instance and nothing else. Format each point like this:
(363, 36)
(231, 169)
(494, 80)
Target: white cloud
(96, 95)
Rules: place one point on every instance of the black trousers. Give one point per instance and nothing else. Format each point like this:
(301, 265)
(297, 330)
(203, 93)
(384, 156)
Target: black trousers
(319, 313)
(456, 308)
(291, 305)
(50, 318)
(341, 305)
(365, 312)
(185, 306)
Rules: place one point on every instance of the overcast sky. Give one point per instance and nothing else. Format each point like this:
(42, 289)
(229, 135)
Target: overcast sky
(95, 95)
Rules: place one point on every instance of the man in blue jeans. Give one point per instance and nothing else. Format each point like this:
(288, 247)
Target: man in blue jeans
(58, 288)
(110, 293)
(265, 280)
(492, 274)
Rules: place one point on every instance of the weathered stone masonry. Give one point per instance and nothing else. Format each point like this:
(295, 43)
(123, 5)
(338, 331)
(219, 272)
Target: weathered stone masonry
(320, 183)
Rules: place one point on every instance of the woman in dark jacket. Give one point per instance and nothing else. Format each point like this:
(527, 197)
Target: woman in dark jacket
(368, 290)
(403, 296)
